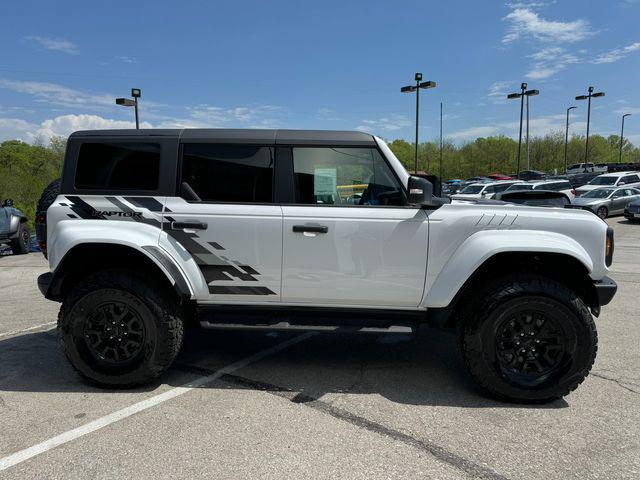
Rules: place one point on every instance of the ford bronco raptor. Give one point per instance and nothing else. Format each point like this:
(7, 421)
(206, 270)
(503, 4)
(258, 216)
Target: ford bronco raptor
(14, 230)
(273, 229)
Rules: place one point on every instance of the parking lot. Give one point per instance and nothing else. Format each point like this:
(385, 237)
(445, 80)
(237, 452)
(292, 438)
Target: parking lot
(247, 405)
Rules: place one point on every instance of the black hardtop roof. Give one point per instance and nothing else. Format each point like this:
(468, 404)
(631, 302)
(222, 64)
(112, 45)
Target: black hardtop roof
(227, 135)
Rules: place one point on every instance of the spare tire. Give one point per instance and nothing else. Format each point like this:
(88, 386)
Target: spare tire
(49, 195)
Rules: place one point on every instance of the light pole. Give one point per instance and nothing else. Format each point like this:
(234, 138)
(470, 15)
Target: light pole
(440, 169)
(136, 93)
(566, 138)
(622, 135)
(416, 88)
(520, 95)
(528, 94)
(586, 143)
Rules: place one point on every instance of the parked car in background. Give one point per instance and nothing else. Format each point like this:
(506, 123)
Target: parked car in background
(499, 176)
(617, 179)
(606, 201)
(14, 231)
(563, 186)
(632, 211)
(535, 198)
(528, 175)
(588, 167)
(482, 190)
(478, 180)
(579, 179)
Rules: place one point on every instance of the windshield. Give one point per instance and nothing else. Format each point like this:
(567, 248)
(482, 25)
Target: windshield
(472, 189)
(603, 181)
(599, 193)
(519, 187)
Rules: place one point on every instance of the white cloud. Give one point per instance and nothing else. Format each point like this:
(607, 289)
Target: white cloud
(474, 132)
(388, 124)
(498, 91)
(525, 23)
(54, 44)
(549, 61)
(63, 125)
(57, 94)
(262, 116)
(631, 110)
(616, 54)
(126, 59)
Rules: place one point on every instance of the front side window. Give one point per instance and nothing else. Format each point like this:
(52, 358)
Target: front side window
(501, 188)
(629, 179)
(227, 173)
(118, 166)
(603, 181)
(344, 176)
(472, 189)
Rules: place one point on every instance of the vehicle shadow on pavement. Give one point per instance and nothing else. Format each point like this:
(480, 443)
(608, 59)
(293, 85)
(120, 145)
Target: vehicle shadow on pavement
(424, 369)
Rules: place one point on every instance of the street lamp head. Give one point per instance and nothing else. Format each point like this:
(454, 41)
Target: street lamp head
(408, 89)
(125, 102)
(514, 95)
(428, 84)
(599, 94)
(136, 92)
(418, 77)
(626, 115)
(571, 108)
(530, 93)
(582, 97)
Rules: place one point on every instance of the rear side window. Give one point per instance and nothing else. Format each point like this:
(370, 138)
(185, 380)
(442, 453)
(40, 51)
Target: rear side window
(501, 188)
(118, 166)
(228, 173)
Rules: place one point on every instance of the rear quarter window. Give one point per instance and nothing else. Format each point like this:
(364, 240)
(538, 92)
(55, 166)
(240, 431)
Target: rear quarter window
(118, 166)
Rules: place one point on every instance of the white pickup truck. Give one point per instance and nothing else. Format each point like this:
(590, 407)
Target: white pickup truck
(586, 168)
(154, 229)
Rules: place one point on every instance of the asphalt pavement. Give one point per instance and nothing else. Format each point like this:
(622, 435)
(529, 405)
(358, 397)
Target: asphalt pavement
(266, 405)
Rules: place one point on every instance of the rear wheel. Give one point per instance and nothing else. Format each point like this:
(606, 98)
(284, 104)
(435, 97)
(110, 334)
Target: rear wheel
(602, 212)
(20, 245)
(48, 196)
(532, 340)
(117, 330)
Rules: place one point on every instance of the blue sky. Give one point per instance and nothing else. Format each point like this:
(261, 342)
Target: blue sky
(326, 65)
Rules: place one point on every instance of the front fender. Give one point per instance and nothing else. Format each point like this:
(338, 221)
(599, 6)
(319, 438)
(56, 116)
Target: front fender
(138, 236)
(481, 246)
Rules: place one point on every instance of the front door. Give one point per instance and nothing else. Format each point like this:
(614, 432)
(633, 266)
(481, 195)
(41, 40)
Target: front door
(349, 239)
(226, 220)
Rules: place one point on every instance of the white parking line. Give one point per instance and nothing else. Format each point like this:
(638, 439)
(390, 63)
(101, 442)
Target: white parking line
(71, 435)
(35, 327)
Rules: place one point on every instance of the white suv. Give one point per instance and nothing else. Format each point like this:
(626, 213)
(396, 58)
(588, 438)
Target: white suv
(618, 179)
(483, 190)
(262, 229)
(558, 185)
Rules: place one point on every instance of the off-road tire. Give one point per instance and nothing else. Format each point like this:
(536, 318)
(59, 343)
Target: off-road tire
(602, 212)
(48, 196)
(503, 298)
(155, 306)
(20, 245)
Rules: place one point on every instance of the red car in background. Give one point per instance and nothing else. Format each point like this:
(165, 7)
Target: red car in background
(499, 176)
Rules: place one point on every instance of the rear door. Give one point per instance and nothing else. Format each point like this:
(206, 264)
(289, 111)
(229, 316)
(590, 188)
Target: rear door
(225, 218)
(348, 236)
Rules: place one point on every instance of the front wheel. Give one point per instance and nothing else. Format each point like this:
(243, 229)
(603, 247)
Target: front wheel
(119, 331)
(532, 340)
(20, 245)
(602, 212)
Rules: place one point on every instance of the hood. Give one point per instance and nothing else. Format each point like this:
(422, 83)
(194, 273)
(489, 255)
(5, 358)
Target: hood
(466, 196)
(587, 201)
(588, 188)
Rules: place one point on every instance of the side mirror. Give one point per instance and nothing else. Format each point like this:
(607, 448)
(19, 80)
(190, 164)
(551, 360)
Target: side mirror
(421, 193)
(483, 194)
(622, 183)
(7, 203)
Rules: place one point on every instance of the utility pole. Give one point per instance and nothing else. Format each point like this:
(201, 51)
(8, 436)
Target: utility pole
(440, 169)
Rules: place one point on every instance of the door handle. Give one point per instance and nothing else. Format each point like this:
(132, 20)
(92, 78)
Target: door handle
(188, 225)
(310, 228)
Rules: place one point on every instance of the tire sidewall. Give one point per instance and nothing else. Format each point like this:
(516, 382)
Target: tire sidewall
(71, 333)
(479, 347)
